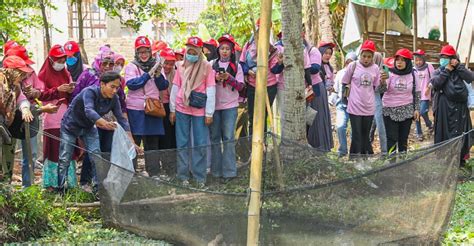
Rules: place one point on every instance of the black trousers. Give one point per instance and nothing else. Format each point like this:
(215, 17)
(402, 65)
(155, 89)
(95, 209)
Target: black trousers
(152, 162)
(360, 127)
(397, 132)
(271, 91)
(168, 142)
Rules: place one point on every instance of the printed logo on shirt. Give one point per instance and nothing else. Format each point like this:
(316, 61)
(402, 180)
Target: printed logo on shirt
(69, 46)
(366, 79)
(421, 75)
(401, 84)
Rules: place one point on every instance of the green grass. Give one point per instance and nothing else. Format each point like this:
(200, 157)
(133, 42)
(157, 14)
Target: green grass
(461, 227)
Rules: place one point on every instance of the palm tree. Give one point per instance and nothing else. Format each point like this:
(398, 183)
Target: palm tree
(293, 123)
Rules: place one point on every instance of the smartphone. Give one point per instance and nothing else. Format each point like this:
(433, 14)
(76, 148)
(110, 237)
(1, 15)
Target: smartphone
(385, 68)
(72, 84)
(61, 101)
(221, 70)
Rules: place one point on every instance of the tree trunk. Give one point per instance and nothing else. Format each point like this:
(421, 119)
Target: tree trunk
(80, 24)
(293, 107)
(311, 21)
(47, 38)
(325, 24)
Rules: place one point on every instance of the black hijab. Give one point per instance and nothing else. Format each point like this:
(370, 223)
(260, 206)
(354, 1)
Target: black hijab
(408, 68)
(76, 69)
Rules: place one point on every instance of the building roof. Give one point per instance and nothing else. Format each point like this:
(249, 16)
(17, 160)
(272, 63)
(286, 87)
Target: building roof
(188, 11)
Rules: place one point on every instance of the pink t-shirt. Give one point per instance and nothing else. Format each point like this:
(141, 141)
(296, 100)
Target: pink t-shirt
(313, 57)
(226, 97)
(136, 98)
(423, 78)
(363, 81)
(399, 90)
(329, 75)
(208, 81)
(165, 94)
(271, 78)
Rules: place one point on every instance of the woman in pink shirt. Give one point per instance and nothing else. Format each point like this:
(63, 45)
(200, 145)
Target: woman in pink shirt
(168, 141)
(320, 133)
(400, 100)
(248, 61)
(361, 101)
(144, 83)
(423, 72)
(192, 101)
(229, 81)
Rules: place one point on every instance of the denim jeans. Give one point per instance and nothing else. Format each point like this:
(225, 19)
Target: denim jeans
(223, 162)
(198, 161)
(342, 118)
(25, 171)
(90, 137)
(424, 109)
(105, 140)
(378, 118)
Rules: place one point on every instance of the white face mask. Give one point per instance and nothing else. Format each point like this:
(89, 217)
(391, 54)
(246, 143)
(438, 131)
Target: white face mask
(58, 66)
(117, 69)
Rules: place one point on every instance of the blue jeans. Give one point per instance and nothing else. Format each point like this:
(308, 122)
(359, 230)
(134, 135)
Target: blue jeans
(378, 118)
(105, 140)
(25, 171)
(198, 160)
(342, 117)
(90, 137)
(223, 162)
(424, 109)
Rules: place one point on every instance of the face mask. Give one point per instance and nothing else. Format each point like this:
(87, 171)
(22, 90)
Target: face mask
(117, 69)
(58, 66)
(443, 62)
(192, 58)
(70, 61)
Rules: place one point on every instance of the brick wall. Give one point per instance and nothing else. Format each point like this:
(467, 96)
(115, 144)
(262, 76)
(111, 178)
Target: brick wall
(123, 46)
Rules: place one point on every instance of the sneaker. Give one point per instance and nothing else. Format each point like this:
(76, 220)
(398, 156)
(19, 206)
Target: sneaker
(419, 137)
(87, 188)
(200, 185)
(185, 183)
(144, 173)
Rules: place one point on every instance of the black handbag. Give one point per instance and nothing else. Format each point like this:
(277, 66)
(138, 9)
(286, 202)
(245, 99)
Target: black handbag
(197, 99)
(17, 128)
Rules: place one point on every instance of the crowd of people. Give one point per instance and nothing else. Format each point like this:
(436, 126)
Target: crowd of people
(203, 94)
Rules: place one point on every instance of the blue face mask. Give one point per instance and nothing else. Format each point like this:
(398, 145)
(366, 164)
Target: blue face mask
(192, 58)
(443, 62)
(70, 61)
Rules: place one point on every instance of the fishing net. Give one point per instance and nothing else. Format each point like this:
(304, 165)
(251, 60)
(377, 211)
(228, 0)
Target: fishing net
(309, 197)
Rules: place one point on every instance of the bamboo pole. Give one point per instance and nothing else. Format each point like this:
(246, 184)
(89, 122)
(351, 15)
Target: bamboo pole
(258, 124)
(415, 26)
(468, 58)
(385, 32)
(366, 23)
(462, 24)
(445, 35)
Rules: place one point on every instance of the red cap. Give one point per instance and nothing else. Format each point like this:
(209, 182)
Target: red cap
(142, 41)
(212, 42)
(419, 52)
(405, 53)
(8, 45)
(168, 54)
(448, 50)
(57, 51)
(322, 44)
(226, 38)
(16, 62)
(195, 41)
(368, 45)
(21, 52)
(181, 51)
(71, 48)
(158, 46)
(389, 61)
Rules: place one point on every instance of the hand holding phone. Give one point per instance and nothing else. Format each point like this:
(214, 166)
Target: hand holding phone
(61, 101)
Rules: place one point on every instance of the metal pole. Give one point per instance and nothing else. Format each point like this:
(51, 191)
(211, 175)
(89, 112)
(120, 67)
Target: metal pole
(258, 123)
(462, 24)
(415, 25)
(28, 152)
(468, 58)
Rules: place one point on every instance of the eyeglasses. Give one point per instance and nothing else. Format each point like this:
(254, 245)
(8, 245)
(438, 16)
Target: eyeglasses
(108, 64)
